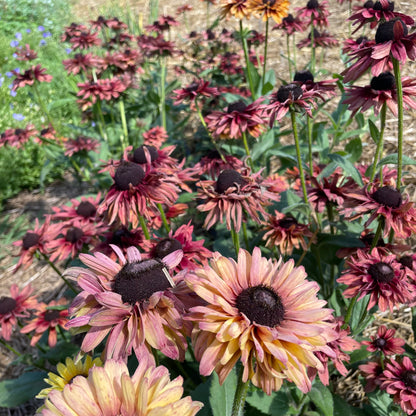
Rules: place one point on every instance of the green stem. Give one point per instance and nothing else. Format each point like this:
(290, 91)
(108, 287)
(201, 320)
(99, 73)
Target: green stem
(300, 167)
(236, 240)
(240, 395)
(399, 88)
(265, 53)
(294, 51)
(163, 216)
(244, 42)
(124, 123)
(201, 117)
(289, 60)
(379, 231)
(330, 212)
(144, 227)
(249, 160)
(309, 129)
(379, 149)
(245, 235)
(313, 57)
(101, 123)
(163, 92)
(61, 331)
(349, 311)
(10, 348)
(67, 282)
(43, 106)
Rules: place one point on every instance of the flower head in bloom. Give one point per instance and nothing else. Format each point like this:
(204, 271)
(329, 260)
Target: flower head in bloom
(84, 40)
(275, 9)
(374, 13)
(314, 12)
(236, 120)
(286, 233)
(83, 210)
(385, 342)
(194, 252)
(137, 192)
(134, 303)
(399, 380)
(212, 164)
(25, 53)
(335, 352)
(36, 73)
(307, 80)
(372, 372)
(290, 25)
(47, 318)
(288, 95)
(85, 62)
(109, 390)
(323, 39)
(399, 213)
(236, 8)
(234, 195)
(196, 90)
(15, 306)
(34, 240)
(262, 312)
(17, 137)
(81, 144)
(67, 372)
(156, 136)
(392, 41)
(352, 45)
(379, 275)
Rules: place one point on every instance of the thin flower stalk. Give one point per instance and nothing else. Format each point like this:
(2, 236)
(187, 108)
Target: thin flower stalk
(379, 150)
(163, 92)
(309, 130)
(144, 227)
(245, 49)
(300, 167)
(240, 395)
(125, 136)
(396, 67)
(67, 282)
(236, 240)
(265, 53)
(43, 106)
(313, 56)
(163, 216)
(247, 149)
(10, 348)
(289, 59)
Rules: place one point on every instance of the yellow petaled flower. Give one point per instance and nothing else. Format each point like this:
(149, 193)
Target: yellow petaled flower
(236, 8)
(109, 390)
(67, 372)
(262, 312)
(276, 9)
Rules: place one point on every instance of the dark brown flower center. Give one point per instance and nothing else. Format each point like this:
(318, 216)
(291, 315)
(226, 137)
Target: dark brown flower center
(86, 209)
(30, 239)
(361, 39)
(239, 106)
(368, 240)
(139, 155)
(74, 234)
(136, 282)
(388, 197)
(228, 178)
(289, 18)
(128, 173)
(167, 246)
(270, 3)
(18, 132)
(379, 6)
(51, 315)
(381, 272)
(292, 91)
(407, 261)
(287, 222)
(379, 343)
(192, 87)
(312, 4)
(316, 34)
(368, 4)
(7, 304)
(384, 82)
(261, 304)
(409, 378)
(303, 76)
(385, 31)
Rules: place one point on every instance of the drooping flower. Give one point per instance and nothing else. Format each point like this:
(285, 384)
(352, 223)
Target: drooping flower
(379, 275)
(399, 380)
(109, 390)
(315, 13)
(82, 144)
(385, 342)
(275, 9)
(196, 90)
(236, 120)
(35, 73)
(47, 318)
(371, 372)
(235, 195)
(84, 39)
(134, 303)
(290, 25)
(85, 62)
(326, 87)
(262, 312)
(323, 39)
(83, 210)
(25, 54)
(13, 307)
(212, 164)
(18, 137)
(156, 136)
(67, 372)
(284, 232)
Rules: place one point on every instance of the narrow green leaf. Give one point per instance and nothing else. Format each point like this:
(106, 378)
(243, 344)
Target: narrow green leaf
(275, 404)
(347, 167)
(342, 408)
(19, 390)
(221, 398)
(374, 133)
(354, 149)
(322, 398)
(392, 160)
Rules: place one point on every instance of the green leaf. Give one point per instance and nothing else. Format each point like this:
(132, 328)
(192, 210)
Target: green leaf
(201, 394)
(275, 404)
(374, 133)
(322, 398)
(221, 398)
(347, 167)
(354, 149)
(260, 148)
(342, 408)
(19, 390)
(392, 160)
